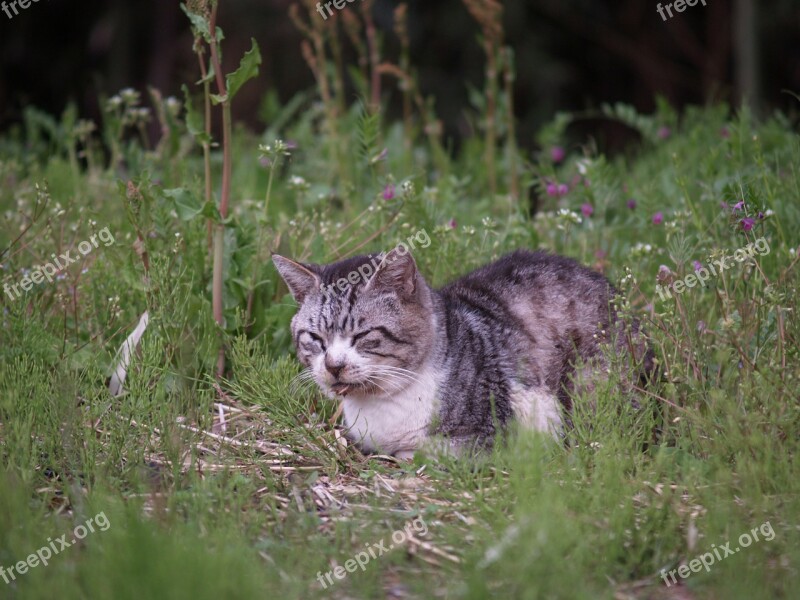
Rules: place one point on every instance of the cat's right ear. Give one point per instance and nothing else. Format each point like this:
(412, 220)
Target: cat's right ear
(301, 279)
(396, 272)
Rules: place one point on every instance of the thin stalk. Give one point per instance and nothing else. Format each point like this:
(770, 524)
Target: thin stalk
(219, 241)
(207, 143)
(509, 76)
(256, 263)
(374, 58)
(219, 233)
(491, 113)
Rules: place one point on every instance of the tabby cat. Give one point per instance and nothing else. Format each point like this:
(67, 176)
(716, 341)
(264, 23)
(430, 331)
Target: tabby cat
(507, 342)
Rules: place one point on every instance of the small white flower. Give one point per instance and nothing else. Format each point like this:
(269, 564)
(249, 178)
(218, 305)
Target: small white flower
(173, 105)
(114, 102)
(130, 96)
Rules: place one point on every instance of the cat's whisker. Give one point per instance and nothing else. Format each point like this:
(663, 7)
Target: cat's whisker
(393, 371)
(398, 377)
(375, 383)
(405, 379)
(393, 384)
(410, 377)
(301, 381)
(393, 368)
(301, 389)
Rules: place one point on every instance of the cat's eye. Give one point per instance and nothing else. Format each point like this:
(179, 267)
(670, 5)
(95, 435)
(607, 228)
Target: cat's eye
(369, 344)
(364, 343)
(313, 345)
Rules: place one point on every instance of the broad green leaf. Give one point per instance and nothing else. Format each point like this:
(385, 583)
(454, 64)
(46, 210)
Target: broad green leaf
(248, 68)
(194, 120)
(199, 23)
(187, 204)
(211, 211)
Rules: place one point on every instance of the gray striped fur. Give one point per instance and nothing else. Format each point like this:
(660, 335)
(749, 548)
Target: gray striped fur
(498, 344)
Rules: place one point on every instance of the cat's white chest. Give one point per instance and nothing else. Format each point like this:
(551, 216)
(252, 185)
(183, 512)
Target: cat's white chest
(393, 424)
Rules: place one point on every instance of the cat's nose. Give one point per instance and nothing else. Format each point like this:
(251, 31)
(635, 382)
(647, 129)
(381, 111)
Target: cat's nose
(334, 368)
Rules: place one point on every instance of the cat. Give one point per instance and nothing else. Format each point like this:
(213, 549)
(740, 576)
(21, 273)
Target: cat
(416, 367)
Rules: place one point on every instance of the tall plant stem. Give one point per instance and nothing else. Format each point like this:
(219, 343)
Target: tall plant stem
(207, 142)
(513, 153)
(219, 234)
(491, 113)
(257, 263)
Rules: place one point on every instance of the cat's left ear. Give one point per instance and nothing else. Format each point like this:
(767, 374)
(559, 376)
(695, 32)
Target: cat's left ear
(396, 272)
(301, 279)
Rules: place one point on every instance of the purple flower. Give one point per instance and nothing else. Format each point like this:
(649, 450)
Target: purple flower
(761, 216)
(739, 205)
(552, 189)
(557, 153)
(664, 132)
(664, 275)
(658, 218)
(587, 210)
(631, 204)
(388, 192)
(563, 190)
(697, 265)
(452, 224)
(747, 223)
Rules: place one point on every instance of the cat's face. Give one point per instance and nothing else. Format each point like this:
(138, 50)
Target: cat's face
(364, 325)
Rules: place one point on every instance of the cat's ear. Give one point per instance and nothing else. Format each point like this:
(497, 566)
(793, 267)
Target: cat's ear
(397, 272)
(301, 279)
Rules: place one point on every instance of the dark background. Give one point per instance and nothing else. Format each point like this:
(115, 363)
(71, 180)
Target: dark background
(571, 54)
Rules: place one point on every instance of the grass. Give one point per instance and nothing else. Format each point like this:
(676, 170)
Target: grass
(242, 487)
